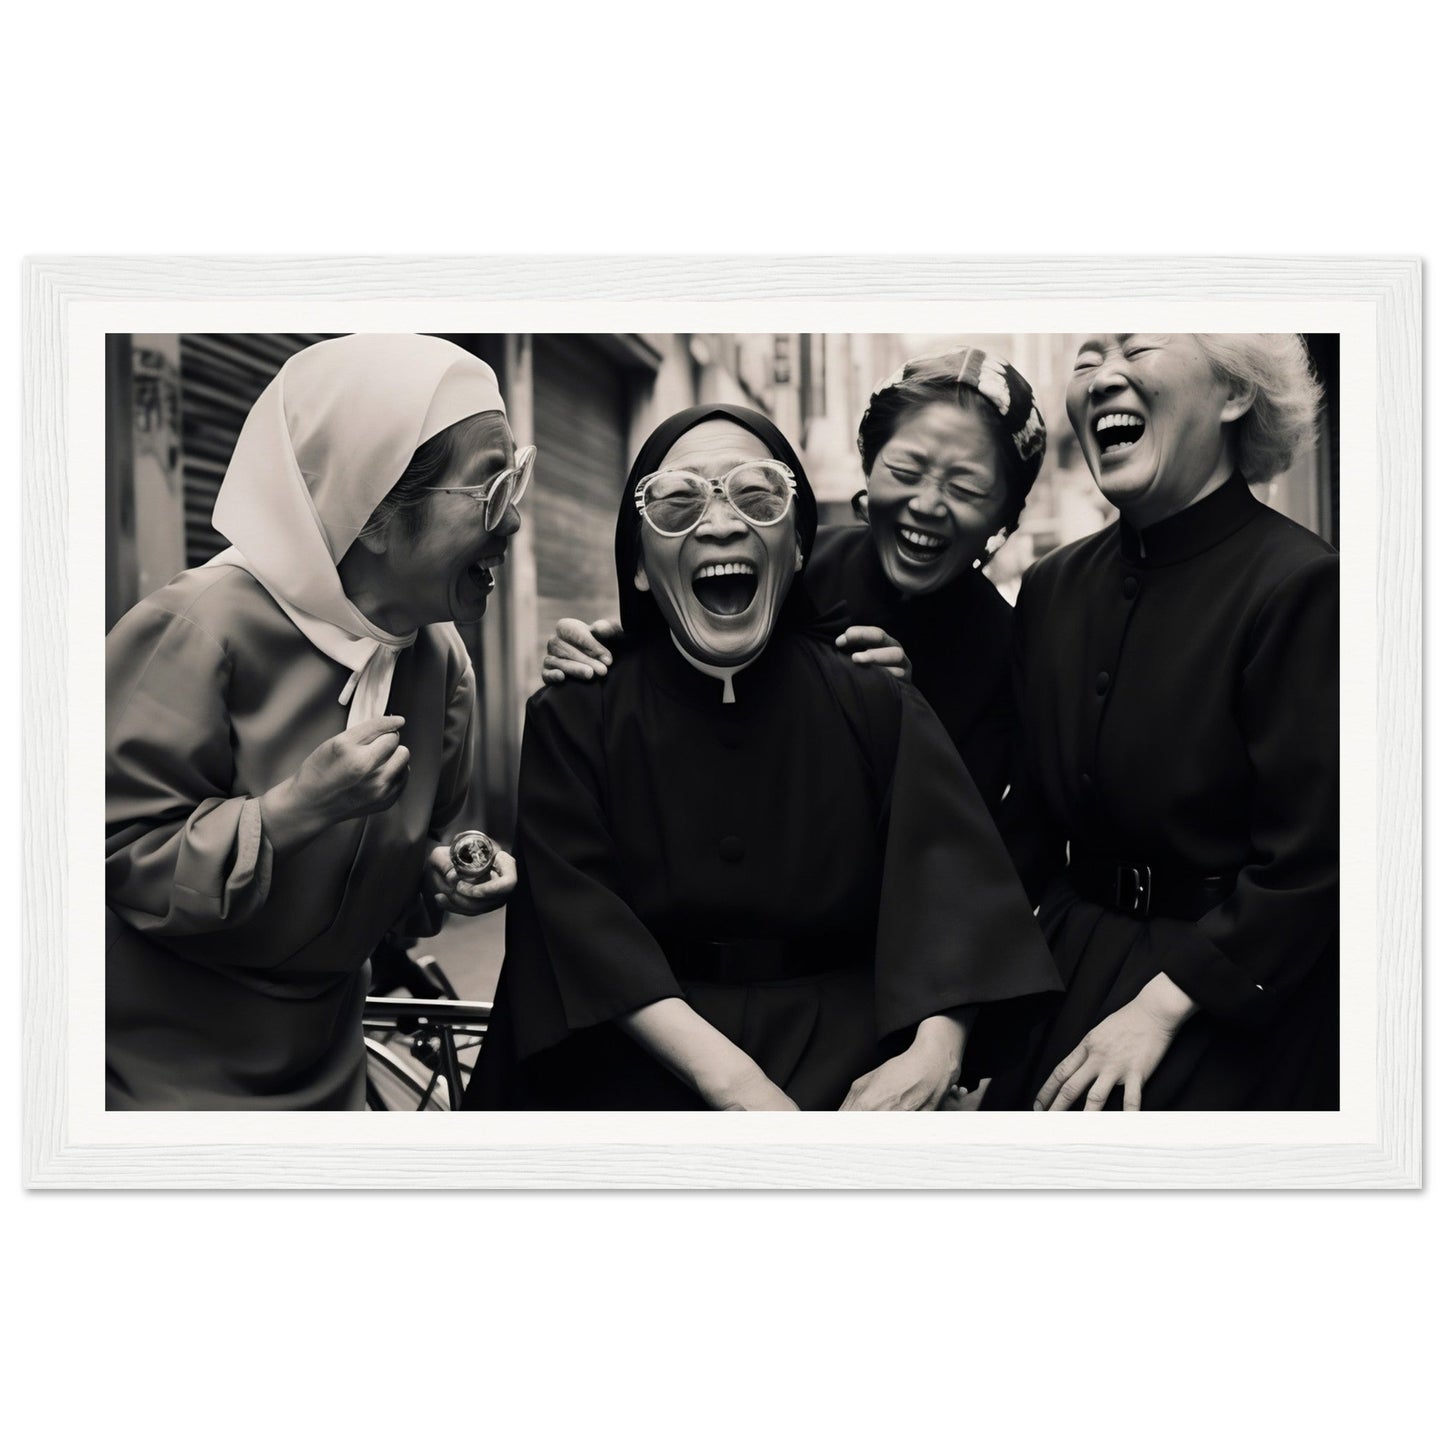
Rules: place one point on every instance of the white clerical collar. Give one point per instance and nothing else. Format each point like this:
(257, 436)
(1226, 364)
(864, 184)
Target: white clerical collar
(725, 673)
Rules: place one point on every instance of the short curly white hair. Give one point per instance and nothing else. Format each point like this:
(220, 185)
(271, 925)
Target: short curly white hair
(1284, 415)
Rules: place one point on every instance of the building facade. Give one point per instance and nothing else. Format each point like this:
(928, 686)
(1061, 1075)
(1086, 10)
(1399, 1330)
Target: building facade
(175, 405)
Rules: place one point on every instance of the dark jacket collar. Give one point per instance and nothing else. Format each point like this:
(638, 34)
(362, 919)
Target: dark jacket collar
(1194, 530)
(671, 671)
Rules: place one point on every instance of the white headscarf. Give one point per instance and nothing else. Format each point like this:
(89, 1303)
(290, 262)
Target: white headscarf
(324, 443)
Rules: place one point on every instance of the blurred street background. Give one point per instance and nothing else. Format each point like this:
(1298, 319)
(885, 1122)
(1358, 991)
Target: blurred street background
(175, 405)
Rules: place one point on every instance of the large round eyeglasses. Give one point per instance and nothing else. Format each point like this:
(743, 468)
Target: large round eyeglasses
(506, 489)
(673, 503)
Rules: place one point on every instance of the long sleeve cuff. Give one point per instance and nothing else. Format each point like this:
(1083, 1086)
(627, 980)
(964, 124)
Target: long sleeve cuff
(1214, 981)
(214, 873)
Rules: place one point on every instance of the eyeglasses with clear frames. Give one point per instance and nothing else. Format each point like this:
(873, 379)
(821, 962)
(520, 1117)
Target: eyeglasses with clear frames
(506, 489)
(672, 503)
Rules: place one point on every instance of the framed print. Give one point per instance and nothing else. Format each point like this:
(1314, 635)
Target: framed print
(1013, 702)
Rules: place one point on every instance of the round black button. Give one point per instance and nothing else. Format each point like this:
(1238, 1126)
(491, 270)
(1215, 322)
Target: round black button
(1101, 683)
(730, 849)
(1086, 782)
(1131, 588)
(731, 738)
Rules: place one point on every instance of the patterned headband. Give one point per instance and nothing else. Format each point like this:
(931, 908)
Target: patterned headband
(1004, 389)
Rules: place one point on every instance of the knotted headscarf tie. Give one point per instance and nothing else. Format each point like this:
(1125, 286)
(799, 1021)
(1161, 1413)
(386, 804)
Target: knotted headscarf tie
(323, 445)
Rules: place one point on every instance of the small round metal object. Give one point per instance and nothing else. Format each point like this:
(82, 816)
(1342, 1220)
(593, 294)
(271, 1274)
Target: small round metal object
(473, 854)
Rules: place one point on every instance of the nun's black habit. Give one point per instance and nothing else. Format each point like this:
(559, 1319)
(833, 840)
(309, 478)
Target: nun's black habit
(810, 866)
(1180, 693)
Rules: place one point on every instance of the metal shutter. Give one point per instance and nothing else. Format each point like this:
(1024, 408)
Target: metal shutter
(222, 374)
(580, 402)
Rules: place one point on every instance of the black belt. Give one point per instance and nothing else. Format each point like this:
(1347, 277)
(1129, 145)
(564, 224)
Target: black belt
(764, 960)
(1143, 891)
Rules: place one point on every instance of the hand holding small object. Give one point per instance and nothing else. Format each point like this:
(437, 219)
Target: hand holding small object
(471, 877)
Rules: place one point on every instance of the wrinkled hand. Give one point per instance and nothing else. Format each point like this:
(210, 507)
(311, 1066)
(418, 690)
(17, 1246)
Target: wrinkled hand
(872, 647)
(578, 651)
(915, 1080)
(466, 896)
(1124, 1048)
(758, 1095)
(360, 771)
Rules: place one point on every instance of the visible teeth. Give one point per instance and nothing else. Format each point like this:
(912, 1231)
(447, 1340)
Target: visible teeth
(1117, 431)
(922, 539)
(727, 569)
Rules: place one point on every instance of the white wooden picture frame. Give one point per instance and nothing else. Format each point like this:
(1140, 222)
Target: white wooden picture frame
(1373, 1141)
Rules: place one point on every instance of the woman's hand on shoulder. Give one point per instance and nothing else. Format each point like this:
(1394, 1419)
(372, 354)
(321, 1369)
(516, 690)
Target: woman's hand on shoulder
(1124, 1048)
(579, 652)
(872, 647)
(465, 896)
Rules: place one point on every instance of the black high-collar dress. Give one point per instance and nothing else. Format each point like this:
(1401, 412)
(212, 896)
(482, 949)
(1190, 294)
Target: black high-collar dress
(1179, 691)
(809, 866)
(959, 640)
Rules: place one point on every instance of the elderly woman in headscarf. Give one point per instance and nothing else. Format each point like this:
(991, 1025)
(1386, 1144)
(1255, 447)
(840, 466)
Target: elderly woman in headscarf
(1177, 814)
(753, 876)
(289, 729)
(950, 445)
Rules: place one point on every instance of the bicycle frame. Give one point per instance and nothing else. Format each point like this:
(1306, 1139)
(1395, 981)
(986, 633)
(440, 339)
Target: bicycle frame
(435, 1021)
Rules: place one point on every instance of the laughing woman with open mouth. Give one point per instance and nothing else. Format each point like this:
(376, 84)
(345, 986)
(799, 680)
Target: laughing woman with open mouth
(752, 875)
(950, 444)
(289, 729)
(1177, 813)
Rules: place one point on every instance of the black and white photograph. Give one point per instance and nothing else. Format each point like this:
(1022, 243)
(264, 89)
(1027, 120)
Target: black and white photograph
(927, 736)
(763, 721)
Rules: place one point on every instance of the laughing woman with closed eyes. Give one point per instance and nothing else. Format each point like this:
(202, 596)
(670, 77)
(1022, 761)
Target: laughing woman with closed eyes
(1176, 814)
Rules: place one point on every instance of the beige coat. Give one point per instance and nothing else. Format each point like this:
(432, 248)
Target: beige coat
(234, 980)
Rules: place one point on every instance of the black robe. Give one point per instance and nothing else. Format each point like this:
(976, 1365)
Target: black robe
(959, 640)
(1180, 697)
(824, 813)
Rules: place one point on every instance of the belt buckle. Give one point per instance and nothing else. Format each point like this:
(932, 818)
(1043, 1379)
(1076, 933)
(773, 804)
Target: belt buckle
(1133, 889)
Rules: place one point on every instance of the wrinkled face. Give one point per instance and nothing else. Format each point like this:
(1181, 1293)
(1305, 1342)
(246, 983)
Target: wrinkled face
(1151, 417)
(936, 494)
(721, 586)
(438, 562)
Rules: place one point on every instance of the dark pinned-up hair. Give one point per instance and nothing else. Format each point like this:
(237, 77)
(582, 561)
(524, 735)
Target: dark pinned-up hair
(977, 382)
